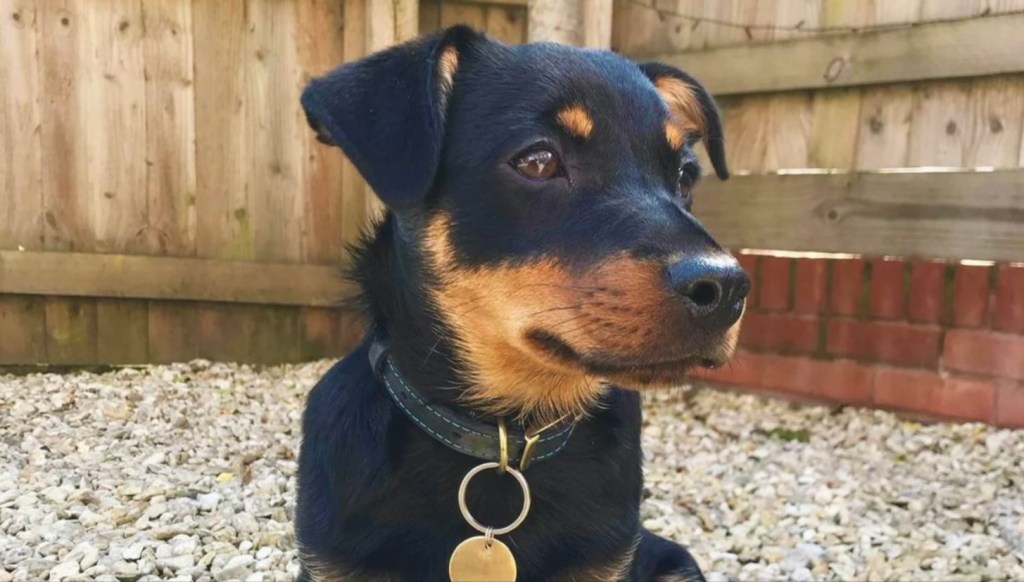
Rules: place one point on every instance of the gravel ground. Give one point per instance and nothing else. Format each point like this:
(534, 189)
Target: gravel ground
(187, 471)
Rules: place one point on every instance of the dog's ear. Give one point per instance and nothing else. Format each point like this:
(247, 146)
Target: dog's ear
(386, 112)
(693, 107)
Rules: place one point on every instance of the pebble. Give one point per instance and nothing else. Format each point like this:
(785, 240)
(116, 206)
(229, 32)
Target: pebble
(114, 477)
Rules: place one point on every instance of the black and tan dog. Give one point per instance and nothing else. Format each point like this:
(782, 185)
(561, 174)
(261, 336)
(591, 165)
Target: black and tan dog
(538, 263)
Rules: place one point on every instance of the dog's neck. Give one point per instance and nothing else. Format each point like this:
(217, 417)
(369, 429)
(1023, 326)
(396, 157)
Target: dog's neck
(391, 276)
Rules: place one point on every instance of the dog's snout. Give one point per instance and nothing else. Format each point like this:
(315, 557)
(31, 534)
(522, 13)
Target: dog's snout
(713, 288)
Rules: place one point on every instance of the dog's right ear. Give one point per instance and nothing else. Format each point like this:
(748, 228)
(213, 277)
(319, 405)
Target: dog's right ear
(386, 112)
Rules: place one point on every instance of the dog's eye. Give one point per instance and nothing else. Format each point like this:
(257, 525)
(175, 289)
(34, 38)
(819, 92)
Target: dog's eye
(685, 186)
(538, 164)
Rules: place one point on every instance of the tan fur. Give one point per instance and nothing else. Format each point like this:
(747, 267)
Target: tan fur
(621, 307)
(447, 66)
(674, 135)
(576, 120)
(682, 103)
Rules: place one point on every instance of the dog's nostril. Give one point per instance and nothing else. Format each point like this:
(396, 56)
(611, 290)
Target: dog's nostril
(703, 293)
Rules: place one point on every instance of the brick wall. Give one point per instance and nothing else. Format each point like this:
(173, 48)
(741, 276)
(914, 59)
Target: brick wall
(926, 337)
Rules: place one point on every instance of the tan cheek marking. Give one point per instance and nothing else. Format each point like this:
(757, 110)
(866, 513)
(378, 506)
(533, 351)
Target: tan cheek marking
(576, 120)
(682, 102)
(674, 135)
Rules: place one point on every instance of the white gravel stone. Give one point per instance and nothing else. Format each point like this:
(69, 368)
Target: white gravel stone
(187, 472)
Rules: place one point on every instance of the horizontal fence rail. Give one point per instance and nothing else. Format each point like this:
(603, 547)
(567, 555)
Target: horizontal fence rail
(953, 215)
(179, 279)
(968, 48)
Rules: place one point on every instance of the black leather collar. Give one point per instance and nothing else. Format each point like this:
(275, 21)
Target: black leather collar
(458, 431)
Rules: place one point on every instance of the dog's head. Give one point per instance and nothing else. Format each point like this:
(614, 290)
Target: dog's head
(546, 192)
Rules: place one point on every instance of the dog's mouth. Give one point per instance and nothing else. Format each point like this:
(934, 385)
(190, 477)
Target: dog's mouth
(643, 370)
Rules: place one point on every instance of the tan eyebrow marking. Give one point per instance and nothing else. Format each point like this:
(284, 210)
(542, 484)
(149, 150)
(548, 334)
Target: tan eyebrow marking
(576, 121)
(448, 64)
(674, 135)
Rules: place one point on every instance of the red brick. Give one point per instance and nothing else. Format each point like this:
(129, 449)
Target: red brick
(775, 281)
(927, 292)
(893, 342)
(847, 286)
(749, 264)
(839, 380)
(1008, 314)
(1010, 405)
(744, 369)
(926, 391)
(780, 333)
(811, 283)
(984, 352)
(887, 289)
(970, 296)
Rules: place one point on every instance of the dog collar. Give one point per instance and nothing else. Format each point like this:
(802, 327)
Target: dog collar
(463, 433)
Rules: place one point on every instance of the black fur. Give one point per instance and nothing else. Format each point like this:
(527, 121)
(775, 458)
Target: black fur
(377, 496)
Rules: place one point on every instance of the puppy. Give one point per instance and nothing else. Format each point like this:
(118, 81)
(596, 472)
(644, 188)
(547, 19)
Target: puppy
(537, 265)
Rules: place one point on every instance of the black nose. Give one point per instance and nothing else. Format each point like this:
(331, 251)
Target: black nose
(713, 288)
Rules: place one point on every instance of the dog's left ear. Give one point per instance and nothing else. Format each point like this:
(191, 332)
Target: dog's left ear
(386, 112)
(693, 107)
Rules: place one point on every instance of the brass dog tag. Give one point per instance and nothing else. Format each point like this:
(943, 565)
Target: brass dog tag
(480, 559)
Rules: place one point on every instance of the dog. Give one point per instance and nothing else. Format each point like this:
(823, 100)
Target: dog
(538, 265)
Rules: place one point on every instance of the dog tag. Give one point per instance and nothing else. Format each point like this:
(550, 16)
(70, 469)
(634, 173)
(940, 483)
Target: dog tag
(482, 559)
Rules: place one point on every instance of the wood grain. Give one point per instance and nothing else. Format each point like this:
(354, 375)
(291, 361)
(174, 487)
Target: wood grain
(223, 133)
(142, 277)
(170, 167)
(951, 215)
(969, 48)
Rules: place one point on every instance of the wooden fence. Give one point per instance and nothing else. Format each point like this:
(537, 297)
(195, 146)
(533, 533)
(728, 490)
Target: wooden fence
(161, 197)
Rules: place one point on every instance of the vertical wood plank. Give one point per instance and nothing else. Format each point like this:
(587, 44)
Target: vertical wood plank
(834, 128)
(996, 120)
(224, 332)
(275, 172)
(453, 13)
(506, 23)
(63, 61)
(430, 16)
(22, 318)
(170, 128)
(939, 125)
(21, 200)
(596, 24)
(789, 127)
(551, 21)
(223, 222)
(320, 333)
(122, 331)
(884, 127)
(356, 191)
(71, 334)
(22, 330)
(115, 126)
(172, 331)
(320, 29)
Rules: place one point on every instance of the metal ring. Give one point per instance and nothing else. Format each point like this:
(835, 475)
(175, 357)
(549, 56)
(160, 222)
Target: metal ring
(502, 446)
(469, 517)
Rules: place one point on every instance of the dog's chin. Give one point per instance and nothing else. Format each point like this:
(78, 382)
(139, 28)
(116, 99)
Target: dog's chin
(630, 372)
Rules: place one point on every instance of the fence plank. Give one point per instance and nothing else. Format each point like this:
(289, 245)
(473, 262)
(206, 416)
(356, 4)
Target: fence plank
(115, 125)
(223, 221)
(320, 29)
(122, 331)
(20, 172)
(272, 89)
(142, 277)
(170, 128)
(969, 48)
(22, 330)
(952, 215)
(171, 333)
(71, 331)
(506, 23)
